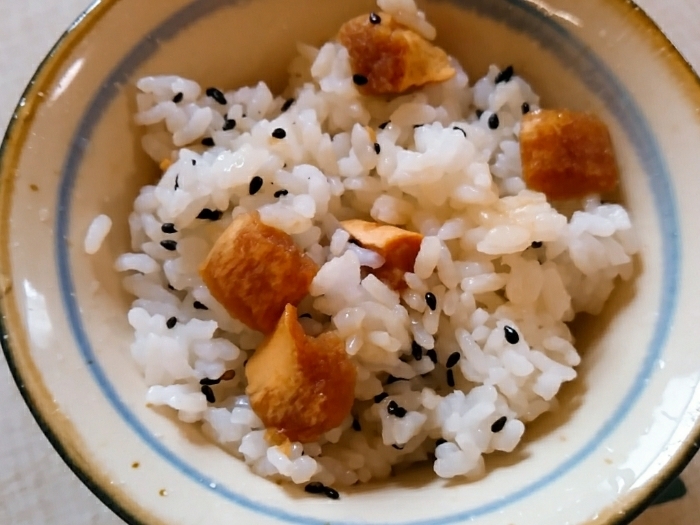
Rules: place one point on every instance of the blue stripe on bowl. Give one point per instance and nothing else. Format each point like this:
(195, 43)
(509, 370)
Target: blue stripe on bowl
(519, 15)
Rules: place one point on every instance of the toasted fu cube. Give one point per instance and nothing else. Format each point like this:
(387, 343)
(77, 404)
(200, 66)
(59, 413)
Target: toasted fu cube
(567, 154)
(300, 386)
(165, 164)
(387, 57)
(254, 270)
(398, 247)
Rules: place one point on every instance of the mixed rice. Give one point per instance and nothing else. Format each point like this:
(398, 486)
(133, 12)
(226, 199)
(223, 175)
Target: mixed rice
(380, 221)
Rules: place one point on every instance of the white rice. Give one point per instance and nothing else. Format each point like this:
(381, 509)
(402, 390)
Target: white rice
(464, 194)
(97, 232)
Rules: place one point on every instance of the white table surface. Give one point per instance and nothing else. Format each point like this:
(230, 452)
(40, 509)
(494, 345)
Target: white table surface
(36, 487)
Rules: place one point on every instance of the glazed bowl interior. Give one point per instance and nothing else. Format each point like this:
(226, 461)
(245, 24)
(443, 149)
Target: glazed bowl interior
(623, 426)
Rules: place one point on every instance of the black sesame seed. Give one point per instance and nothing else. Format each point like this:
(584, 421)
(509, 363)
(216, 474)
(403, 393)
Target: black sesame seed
(499, 424)
(505, 75)
(169, 245)
(199, 306)
(170, 323)
(450, 378)
(211, 215)
(207, 141)
(305, 316)
(457, 128)
(375, 19)
(287, 104)
(453, 359)
(315, 487)
(440, 441)
(431, 301)
(178, 97)
(416, 351)
(216, 95)
(255, 184)
(279, 133)
(229, 124)
(380, 397)
(208, 393)
(331, 493)
(432, 354)
(177, 181)
(536, 244)
(525, 108)
(168, 227)
(397, 447)
(511, 335)
(377, 148)
(194, 162)
(359, 80)
(281, 193)
(479, 112)
(494, 122)
(209, 381)
(393, 409)
(356, 425)
(384, 124)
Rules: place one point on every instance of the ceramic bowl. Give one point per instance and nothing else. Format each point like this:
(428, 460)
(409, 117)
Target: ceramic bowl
(625, 426)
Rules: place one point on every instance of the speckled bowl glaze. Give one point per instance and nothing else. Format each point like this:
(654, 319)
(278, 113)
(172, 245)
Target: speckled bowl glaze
(625, 426)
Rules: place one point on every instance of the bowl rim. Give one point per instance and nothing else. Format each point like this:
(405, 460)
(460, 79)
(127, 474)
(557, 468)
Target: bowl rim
(19, 125)
(15, 135)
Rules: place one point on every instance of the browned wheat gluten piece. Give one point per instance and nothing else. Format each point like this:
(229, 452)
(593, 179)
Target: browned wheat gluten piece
(392, 57)
(398, 247)
(567, 154)
(255, 270)
(300, 386)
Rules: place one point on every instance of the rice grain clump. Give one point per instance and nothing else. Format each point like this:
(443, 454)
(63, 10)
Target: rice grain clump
(455, 345)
